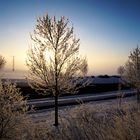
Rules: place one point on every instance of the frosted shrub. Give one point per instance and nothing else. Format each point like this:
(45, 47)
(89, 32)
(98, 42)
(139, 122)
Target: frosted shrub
(98, 123)
(13, 112)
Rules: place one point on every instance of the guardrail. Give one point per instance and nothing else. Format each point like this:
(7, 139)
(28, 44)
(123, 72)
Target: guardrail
(75, 99)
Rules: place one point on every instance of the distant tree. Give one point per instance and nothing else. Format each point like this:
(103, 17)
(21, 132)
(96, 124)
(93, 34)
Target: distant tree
(104, 76)
(131, 71)
(120, 71)
(2, 62)
(55, 66)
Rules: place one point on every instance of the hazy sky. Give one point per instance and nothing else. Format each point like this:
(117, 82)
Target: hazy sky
(108, 29)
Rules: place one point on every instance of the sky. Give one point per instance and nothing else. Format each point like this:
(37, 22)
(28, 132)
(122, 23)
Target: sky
(108, 29)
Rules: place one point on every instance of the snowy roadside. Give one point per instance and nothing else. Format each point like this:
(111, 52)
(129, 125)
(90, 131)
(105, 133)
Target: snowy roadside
(48, 114)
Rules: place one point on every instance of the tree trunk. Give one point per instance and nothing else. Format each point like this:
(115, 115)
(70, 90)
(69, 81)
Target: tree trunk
(56, 87)
(56, 110)
(138, 99)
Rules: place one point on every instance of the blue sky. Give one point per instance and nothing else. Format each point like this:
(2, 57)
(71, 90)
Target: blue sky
(108, 29)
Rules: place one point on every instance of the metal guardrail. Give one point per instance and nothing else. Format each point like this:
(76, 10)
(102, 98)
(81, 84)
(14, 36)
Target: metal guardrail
(75, 99)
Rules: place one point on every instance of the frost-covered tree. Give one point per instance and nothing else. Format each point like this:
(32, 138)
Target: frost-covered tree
(55, 66)
(131, 70)
(2, 62)
(120, 70)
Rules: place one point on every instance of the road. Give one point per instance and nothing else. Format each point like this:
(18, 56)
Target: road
(76, 99)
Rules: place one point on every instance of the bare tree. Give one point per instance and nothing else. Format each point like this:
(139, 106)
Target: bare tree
(54, 63)
(2, 62)
(132, 70)
(120, 71)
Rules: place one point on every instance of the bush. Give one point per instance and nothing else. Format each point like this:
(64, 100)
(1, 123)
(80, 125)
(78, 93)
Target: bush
(14, 122)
